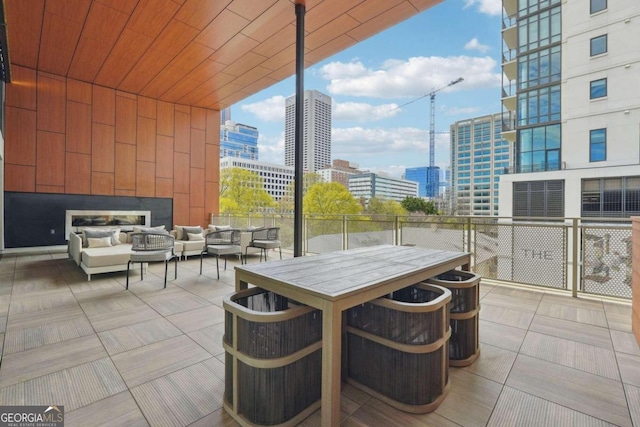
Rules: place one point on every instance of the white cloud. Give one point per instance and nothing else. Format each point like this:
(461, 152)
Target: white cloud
(459, 111)
(271, 149)
(269, 110)
(338, 70)
(474, 44)
(392, 170)
(362, 112)
(411, 78)
(488, 7)
(372, 147)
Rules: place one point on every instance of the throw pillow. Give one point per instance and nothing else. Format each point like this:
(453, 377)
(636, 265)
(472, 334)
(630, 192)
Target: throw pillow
(93, 233)
(222, 227)
(180, 232)
(195, 236)
(157, 229)
(190, 230)
(99, 242)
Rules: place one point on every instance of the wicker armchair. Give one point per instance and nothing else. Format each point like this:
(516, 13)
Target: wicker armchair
(265, 239)
(222, 243)
(152, 247)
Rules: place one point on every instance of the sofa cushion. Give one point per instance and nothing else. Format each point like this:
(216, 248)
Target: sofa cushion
(93, 233)
(102, 257)
(181, 234)
(190, 230)
(99, 242)
(158, 229)
(192, 245)
(195, 236)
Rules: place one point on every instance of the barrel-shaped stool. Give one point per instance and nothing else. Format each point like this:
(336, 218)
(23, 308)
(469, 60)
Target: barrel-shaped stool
(273, 365)
(464, 347)
(398, 347)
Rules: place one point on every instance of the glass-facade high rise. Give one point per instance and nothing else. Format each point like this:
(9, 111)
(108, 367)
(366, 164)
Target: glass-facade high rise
(418, 175)
(539, 53)
(479, 157)
(238, 140)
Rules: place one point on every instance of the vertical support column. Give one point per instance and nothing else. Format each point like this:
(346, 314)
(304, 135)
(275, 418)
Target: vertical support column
(345, 238)
(574, 259)
(299, 155)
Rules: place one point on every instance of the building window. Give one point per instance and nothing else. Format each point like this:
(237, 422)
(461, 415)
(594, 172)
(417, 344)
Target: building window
(598, 5)
(539, 106)
(539, 149)
(597, 145)
(611, 197)
(598, 88)
(540, 30)
(539, 68)
(599, 45)
(538, 199)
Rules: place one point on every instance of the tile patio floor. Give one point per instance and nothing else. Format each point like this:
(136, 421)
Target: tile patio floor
(150, 356)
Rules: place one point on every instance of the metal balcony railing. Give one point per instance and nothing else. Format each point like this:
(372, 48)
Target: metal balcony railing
(577, 255)
(538, 167)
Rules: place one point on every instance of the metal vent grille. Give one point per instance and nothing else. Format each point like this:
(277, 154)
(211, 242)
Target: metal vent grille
(538, 199)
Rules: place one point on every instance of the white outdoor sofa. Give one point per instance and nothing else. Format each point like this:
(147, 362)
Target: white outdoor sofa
(104, 259)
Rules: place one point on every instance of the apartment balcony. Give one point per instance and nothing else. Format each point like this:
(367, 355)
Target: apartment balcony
(538, 167)
(509, 101)
(510, 7)
(153, 356)
(510, 68)
(510, 34)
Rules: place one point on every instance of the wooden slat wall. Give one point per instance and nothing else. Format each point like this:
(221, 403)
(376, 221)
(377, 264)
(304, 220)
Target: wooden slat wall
(67, 136)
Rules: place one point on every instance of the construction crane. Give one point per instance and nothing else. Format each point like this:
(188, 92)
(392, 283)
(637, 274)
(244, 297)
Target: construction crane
(432, 131)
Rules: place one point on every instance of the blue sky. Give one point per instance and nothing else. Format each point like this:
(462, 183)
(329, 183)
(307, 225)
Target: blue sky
(457, 38)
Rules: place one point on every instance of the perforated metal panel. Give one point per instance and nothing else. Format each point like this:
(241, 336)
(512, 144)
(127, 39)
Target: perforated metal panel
(606, 261)
(531, 254)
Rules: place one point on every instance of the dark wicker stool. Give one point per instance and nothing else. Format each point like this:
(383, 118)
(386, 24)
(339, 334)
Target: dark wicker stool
(465, 305)
(397, 347)
(273, 365)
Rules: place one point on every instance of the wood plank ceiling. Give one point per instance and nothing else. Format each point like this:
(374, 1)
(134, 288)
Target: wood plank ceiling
(206, 53)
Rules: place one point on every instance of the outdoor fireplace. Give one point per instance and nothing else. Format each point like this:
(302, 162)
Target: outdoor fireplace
(76, 220)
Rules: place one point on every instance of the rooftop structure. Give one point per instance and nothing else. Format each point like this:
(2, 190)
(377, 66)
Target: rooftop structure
(103, 370)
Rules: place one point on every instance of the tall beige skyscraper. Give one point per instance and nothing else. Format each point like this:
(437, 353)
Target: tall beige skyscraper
(316, 133)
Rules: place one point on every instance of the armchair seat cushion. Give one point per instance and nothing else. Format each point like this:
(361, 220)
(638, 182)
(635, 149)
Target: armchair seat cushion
(266, 244)
(151, 256)
(106, 256)
(224, 250)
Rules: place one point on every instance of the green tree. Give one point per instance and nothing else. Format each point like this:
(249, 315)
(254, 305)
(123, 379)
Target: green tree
(330, 198)
(385, 207)
(286, 202)
(326, 203)
(242, 191)
(416, 204)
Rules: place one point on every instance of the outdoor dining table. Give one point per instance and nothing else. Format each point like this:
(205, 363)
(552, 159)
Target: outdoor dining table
(336, 281)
